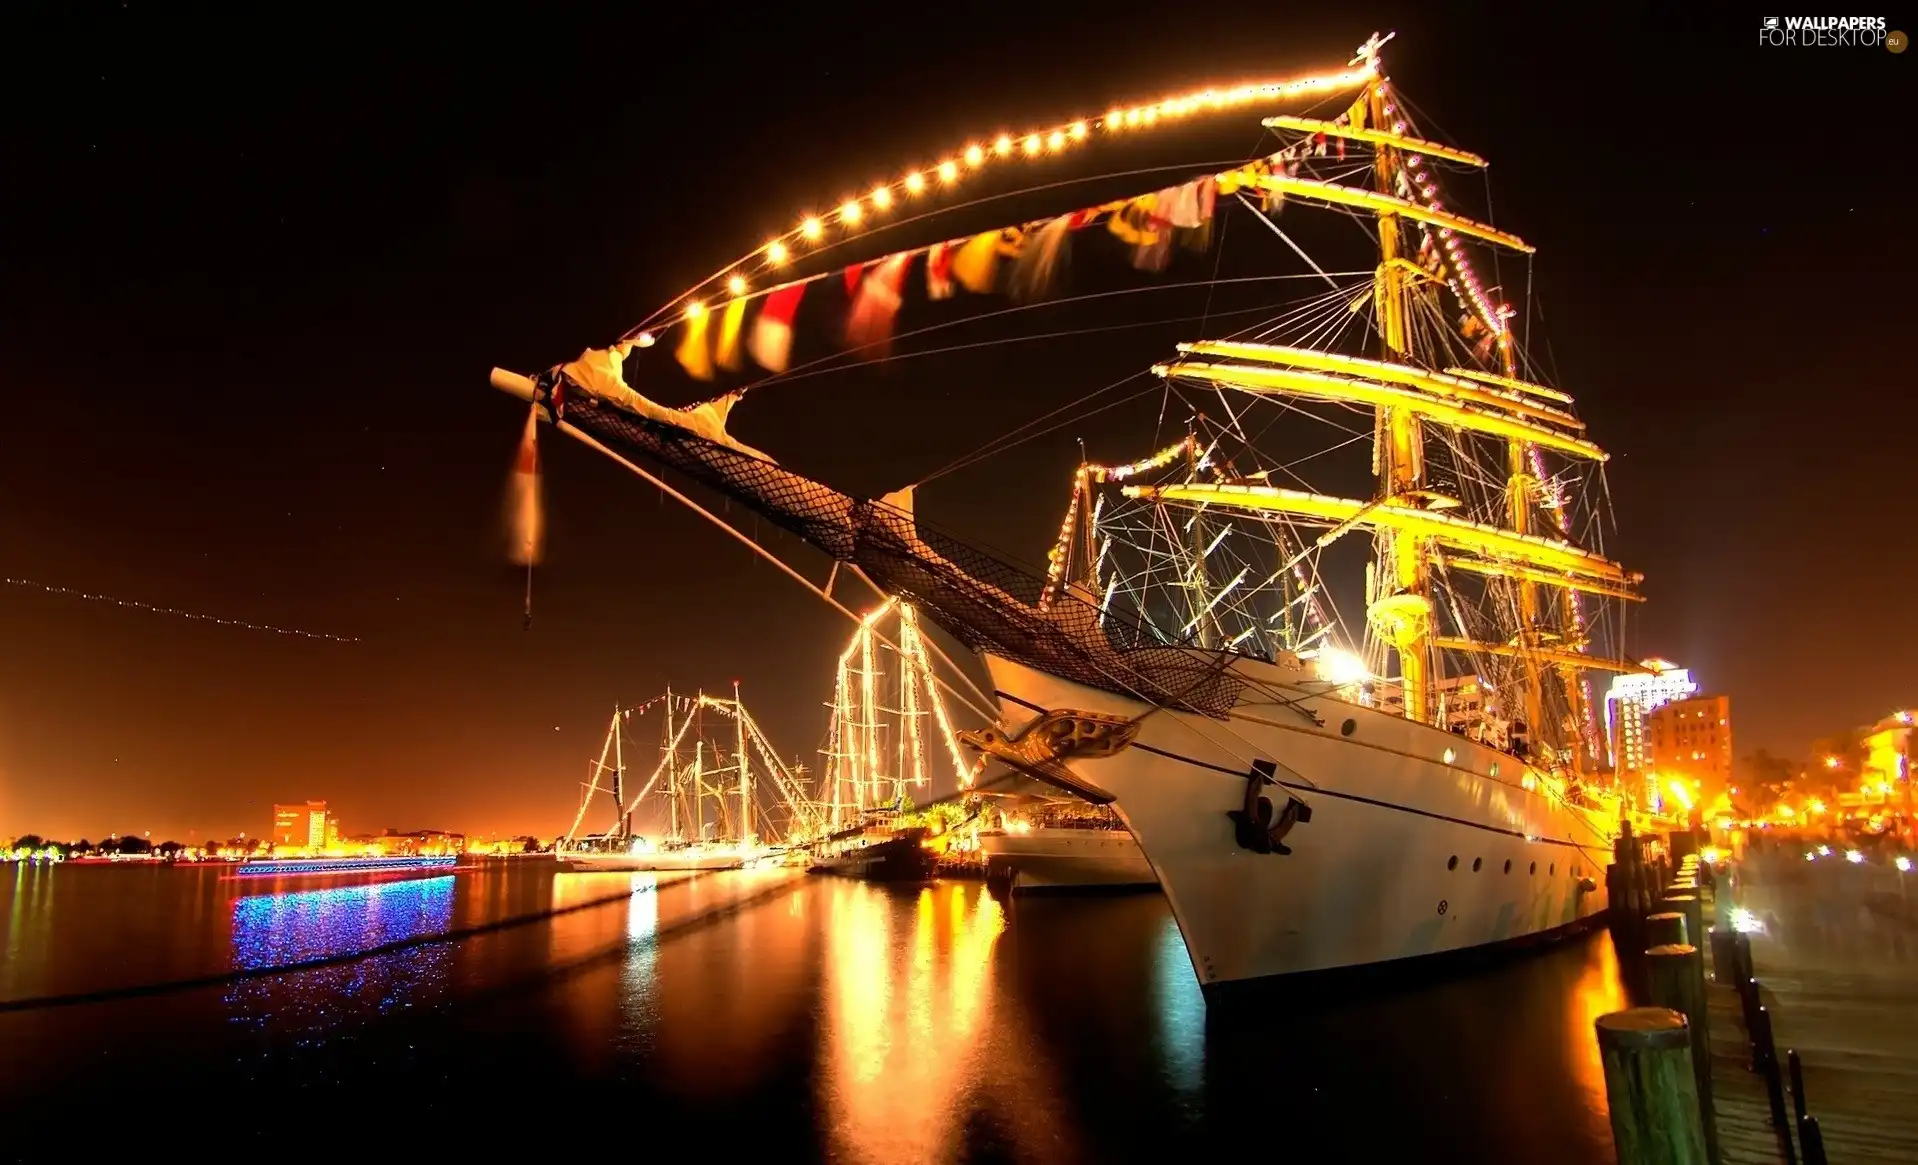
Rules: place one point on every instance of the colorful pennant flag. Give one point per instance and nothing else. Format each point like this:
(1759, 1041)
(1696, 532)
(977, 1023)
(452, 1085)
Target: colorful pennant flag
(772, 338)
(870, 324)
(727, 350)
(693, 353)
(528, 524)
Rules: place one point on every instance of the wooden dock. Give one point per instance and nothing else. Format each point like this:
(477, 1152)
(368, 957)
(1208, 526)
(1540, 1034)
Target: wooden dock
(1745, 1133)
(1837, 965)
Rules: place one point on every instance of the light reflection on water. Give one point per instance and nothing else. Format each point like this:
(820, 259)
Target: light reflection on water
(1180, 1008)
(827, 1020)
(902, 1061)
(272, 930)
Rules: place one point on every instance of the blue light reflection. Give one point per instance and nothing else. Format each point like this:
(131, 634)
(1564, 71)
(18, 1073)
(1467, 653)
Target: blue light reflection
(273, 930)
(1181, 1009)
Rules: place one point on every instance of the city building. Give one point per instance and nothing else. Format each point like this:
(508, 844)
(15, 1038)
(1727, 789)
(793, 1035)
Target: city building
(1885, 778)
(1688, 749)
(417, 843)
(1627, 702)
(305, 825)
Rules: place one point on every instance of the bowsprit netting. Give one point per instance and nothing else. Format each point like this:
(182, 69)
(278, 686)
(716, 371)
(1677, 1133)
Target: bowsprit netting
(984, 602)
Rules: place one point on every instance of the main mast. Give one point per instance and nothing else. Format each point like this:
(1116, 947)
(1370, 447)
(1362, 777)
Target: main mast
(1401, 608)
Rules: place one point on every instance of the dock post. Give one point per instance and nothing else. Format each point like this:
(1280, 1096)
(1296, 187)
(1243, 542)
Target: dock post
(1651, 1088)
(1666, 929)
(1678, 983)
(1687, 903)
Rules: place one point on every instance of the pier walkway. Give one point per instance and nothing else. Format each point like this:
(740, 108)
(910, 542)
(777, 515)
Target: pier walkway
(1837, 965)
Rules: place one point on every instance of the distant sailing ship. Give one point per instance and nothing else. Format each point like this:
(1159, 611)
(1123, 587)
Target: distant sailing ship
(1303, 805)
(710, 796)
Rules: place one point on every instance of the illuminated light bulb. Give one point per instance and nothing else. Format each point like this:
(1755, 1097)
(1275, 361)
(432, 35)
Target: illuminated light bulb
(1150, 115)
(1132, 117)
(1854, 857)
(851, 212)
(695, 309)
(776, 252)
(948, 171)
(1031, 144)
(1002, 145)
(1079, 130)
(812, 228)
(736, 285)
(1056, 141)
(882, 196)
(1113, 118)
(915, 182)
(974, 155)
(1903, 863)
(644, 340)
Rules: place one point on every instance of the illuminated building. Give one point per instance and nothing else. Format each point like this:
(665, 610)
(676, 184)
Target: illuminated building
(417, 843)
(1690, 742)
(1886, 772)
(306, 825)
(1628, 701)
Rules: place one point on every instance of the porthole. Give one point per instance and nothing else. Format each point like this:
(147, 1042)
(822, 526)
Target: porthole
(1348, 728)
(1453, 863)
(1476, 863)
(1551, 871)
(1494, 769)
(1508, 865)
(1534, 868)
(1450, 756)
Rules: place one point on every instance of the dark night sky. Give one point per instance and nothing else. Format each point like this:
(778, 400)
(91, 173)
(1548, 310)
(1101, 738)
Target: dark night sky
(256, 270)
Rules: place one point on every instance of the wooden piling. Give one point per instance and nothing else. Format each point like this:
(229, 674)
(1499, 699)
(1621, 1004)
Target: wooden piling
(1677, 982)
(1694, 912)
(1666, 928)
(1651, 1087)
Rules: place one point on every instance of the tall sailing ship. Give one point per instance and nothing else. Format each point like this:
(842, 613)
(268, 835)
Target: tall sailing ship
(705, 791)
(1310, 795)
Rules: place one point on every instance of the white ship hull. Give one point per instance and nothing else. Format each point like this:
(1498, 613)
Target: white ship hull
(692, 858)
(1068, 859)
(1407, 854)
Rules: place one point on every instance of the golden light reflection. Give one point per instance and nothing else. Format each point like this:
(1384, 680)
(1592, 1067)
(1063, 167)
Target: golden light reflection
(1599, 991)
(593, 995)
(904, 1066)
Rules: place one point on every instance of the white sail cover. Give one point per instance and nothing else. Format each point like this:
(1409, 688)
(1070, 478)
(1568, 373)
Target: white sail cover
(601, 372)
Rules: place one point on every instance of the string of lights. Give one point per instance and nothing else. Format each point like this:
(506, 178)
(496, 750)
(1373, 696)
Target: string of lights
(151, 608)
(735, 278)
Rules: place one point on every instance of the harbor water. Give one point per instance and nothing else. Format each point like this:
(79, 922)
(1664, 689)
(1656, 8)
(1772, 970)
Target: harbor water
(749, 1012)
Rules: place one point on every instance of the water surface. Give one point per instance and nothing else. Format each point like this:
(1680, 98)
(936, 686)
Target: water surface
(817, 1018)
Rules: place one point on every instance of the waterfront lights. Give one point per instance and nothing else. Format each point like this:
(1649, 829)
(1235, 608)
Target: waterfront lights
(1745, 922)
(1824, 851)
(1854, 857)
(1903, 863)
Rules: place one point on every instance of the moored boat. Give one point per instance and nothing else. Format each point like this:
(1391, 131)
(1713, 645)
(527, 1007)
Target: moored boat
(881, 855)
